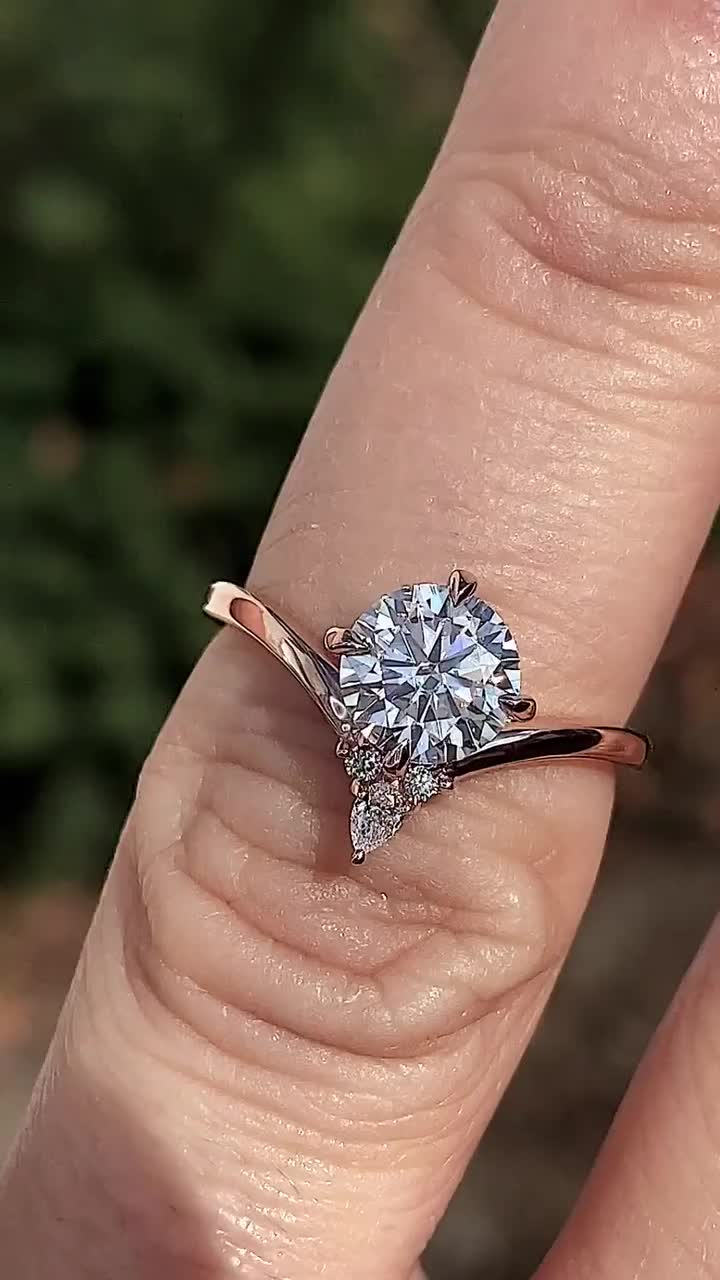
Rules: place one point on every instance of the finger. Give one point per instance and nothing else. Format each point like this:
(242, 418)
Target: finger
(650, 1206)
(531, 392)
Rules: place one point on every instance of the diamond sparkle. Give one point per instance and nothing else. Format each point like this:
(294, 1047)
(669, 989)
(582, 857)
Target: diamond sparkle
(432, 673)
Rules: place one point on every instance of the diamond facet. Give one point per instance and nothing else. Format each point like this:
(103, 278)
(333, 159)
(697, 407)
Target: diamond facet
(433, 675)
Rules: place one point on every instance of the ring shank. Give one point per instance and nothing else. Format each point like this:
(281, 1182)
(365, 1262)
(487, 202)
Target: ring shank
(237, 607)
(558, 742)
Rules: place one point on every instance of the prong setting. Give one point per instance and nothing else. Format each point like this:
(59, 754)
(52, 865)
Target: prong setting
(517, 707)
(341, 640)
(461, 586)
(398, 764)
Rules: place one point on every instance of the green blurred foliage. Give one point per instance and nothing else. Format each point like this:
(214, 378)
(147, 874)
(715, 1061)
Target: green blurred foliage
(196, 197)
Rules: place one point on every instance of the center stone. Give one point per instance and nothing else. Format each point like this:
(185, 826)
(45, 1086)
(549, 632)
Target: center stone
(431, 675)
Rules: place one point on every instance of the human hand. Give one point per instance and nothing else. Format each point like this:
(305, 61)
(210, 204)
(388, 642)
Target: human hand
(271, 1064)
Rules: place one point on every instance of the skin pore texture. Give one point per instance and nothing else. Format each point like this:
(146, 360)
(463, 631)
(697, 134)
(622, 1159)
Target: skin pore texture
(271, 1065)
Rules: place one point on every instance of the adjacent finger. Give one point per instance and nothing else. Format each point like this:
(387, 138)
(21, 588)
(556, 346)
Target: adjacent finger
(532, 393)
(651, 1204)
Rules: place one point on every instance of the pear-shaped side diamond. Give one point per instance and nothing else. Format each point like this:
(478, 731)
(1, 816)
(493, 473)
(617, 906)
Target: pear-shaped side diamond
(375, 818)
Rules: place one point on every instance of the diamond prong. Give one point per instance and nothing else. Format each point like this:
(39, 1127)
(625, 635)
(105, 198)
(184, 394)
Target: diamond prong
(461, 586)
(518, 708)
(341, 640)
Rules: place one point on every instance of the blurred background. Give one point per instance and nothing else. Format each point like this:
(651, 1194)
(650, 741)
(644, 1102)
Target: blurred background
(197, 196)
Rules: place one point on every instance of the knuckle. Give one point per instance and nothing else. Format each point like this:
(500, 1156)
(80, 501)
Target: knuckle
(568, 241)
(241, 925)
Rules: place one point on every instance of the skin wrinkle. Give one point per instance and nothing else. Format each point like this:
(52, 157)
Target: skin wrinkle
(362, 1147)
(605, 373)
(499, 914)
(389, 1074)
(267, 768)
(366, 1139)
(634, 315)
(654, 481)
(593, 152)
(612, 168)
(552, 190)
(402, 945)
(327, 930)
(377, 1032)
(306, 1203)
(370, 905)
(540, 399)
(112, 1194)
(155, 952)
(597, 414)
(240, 1096)
(597, 404)
(299, 750)
(500, 890)
(298, 832)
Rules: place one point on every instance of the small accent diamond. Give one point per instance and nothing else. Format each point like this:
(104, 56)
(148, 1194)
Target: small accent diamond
(421, 783)
(362, 763)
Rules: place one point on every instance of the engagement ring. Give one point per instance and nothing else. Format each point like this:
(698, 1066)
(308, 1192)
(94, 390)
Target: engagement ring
(423, 689)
